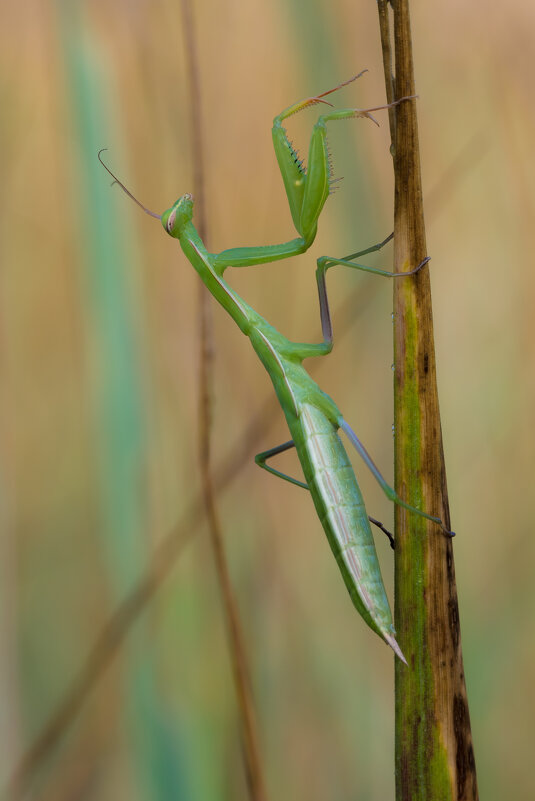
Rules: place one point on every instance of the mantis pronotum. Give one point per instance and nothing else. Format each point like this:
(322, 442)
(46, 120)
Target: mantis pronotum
(312, 417)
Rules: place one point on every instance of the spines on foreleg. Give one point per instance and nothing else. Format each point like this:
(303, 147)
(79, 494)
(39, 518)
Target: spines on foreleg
(292, 171)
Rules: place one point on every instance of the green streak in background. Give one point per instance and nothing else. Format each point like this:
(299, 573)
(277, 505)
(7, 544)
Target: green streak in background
(119, 403)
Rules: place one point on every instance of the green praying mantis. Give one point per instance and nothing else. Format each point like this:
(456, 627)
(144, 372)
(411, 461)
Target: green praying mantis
(312, 416)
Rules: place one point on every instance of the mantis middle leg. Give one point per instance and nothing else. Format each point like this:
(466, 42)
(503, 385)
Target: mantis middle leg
(325, 262)
(323, 265)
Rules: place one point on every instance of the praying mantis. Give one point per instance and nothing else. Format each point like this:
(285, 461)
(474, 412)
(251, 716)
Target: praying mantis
(313, 418)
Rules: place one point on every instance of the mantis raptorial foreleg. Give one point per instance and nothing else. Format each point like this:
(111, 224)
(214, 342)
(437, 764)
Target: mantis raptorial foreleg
(307, 188)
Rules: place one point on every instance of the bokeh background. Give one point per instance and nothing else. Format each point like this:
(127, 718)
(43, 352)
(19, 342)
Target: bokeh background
(99, 360)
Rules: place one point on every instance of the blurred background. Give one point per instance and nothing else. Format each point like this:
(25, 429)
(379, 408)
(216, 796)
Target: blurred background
(99, 410)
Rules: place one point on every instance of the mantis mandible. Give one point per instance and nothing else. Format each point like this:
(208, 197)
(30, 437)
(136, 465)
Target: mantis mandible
(313, 418)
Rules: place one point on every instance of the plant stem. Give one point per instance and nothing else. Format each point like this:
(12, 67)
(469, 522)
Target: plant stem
(434, 754)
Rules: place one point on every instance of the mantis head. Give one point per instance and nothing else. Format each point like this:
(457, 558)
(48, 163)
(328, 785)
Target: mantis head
(175, 218)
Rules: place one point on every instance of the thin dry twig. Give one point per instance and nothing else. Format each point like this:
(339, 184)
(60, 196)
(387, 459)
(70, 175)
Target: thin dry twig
(386, 49)
(240, 668)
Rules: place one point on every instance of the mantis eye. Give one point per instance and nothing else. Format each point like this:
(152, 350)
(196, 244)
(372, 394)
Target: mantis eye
(171, 221)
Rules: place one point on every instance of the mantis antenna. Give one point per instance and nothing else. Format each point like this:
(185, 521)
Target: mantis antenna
(125, 190)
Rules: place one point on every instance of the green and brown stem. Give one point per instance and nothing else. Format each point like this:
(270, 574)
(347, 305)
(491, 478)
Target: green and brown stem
(434, 754)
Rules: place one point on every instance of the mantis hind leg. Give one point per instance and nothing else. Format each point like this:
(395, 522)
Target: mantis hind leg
(384, 530)
(389, 491)
(261, 459)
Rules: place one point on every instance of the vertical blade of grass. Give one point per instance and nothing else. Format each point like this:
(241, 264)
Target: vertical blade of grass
(434, 755)
(119, 415)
